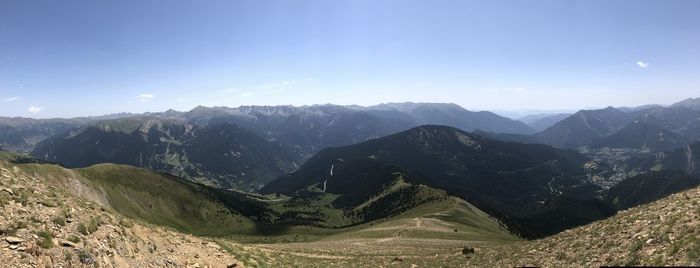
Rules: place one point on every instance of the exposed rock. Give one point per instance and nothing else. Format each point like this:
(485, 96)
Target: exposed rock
(14, 240)
(67, 243)
(5, 189)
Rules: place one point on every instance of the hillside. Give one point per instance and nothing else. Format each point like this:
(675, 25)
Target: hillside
(660, 233)
(193, 208)
(45, 226)
(683, 159)
(648, 187)
(678, 119)
(73, 214)
(640, 135)
(222, 155)
(522, 184)
(22, 134)
(584, 127)
(519, 138)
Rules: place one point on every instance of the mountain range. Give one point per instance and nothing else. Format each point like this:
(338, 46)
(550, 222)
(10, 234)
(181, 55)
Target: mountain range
(267, 141)
(292, 174)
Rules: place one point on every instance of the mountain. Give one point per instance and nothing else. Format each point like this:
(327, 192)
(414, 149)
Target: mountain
(685, 159)
(305, 129)
(681, 120)
(453, 115)
(534, 188)
(22, 134)
(507, 137)
(690, 103)
(649, 187)
(541, 122)
(119, 216)
(584, 127)
(640, 135)
(223, 155)
(190, 207)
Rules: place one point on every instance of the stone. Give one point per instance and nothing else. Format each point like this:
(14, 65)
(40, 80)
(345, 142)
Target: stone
(8, 190)
(67, 243)
(14, 240)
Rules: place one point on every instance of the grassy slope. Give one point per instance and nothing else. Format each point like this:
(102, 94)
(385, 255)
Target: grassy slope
(164, 200)
(452, 219)
(192, 208)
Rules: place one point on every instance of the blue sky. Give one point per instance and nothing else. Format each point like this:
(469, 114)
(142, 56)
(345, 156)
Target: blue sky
(73, 58)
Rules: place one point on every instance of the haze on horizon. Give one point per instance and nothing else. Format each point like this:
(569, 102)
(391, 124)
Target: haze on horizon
(79, 57)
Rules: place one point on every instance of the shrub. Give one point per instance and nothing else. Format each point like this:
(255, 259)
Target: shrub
(46, 242)
(91, 227)
(60, 220)
(44, 234)
(636, 246)
(468, 250)
(35, 219)
(47, 239)
(126, 223)
(94, 224)
(83, 229)
(9, 230)
(21, 225)
(73, 238)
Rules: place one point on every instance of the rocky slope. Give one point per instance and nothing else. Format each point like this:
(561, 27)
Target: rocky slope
(664, 232)
(43, 226)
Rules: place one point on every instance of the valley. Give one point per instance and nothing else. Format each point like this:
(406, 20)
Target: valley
(393, 185)
(349, 133)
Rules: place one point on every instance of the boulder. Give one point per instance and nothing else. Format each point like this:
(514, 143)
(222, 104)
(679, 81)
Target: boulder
(14, 240)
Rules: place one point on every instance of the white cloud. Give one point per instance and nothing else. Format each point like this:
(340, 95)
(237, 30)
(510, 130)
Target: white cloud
(35, 109)
(11, 98)
(145, 97)
(643, 65)
(182, 99)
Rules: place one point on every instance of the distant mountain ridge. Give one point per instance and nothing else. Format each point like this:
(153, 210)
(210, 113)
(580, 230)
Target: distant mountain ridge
(583, 127)
(260, 143)
(690, 103)
(541, 122)
(450, 114)
(641, 135)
